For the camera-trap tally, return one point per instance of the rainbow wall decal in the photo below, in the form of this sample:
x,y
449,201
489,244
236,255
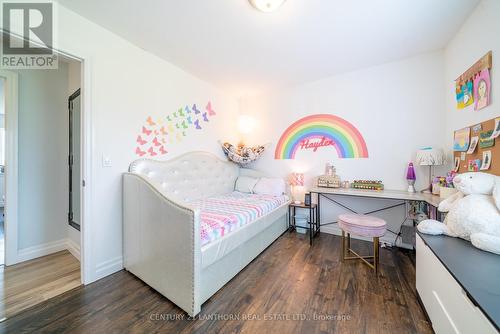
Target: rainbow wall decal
x,y
346,139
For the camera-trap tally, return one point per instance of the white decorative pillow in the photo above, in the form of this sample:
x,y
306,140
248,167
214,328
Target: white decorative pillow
x,y
245,184
270,186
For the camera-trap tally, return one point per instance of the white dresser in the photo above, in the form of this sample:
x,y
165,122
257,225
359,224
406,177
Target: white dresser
x,y
457,285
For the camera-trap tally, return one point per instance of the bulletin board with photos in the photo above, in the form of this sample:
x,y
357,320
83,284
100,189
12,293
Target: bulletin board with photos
x,y
476,148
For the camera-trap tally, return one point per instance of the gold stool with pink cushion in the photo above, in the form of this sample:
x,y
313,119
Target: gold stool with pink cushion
x,y
365,226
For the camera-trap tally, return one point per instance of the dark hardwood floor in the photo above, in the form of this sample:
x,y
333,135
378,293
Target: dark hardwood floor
x,y
289,288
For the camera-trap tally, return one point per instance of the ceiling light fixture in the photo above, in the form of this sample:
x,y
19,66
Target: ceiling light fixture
x,y
266,5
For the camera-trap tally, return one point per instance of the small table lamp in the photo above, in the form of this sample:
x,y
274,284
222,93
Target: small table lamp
x,y
297,183
430,157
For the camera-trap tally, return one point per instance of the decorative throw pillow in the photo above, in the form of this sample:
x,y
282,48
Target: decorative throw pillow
x,y
270,186
245,184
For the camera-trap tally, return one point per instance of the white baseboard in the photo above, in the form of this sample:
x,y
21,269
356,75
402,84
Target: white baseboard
x,y
73,248
30,253
109,267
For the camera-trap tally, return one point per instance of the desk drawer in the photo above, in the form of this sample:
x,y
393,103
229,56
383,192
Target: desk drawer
x,y
449,309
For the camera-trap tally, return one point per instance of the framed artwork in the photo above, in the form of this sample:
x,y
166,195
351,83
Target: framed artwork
x,y
461,140
482,89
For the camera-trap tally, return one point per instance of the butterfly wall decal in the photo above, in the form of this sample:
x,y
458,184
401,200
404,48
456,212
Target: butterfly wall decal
x,y
195,109
151,151
211,112
172,128
156,142
140,140
139,152
146,131
197,124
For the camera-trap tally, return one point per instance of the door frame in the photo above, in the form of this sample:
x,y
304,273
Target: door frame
x,y
11,166
87,268
72,97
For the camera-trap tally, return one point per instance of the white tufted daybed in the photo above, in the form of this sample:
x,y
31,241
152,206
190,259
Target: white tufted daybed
x,y
162,243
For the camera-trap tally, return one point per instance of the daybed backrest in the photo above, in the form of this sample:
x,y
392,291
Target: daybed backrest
x,y
190,176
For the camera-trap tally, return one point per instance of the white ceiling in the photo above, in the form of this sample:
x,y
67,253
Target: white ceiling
x,y
244,51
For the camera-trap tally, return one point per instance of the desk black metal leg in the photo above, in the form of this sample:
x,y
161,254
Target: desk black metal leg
x,y
318,208
289,219
310,226
294,222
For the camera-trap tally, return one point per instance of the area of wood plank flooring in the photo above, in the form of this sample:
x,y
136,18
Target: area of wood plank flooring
x,y
287,282
32,282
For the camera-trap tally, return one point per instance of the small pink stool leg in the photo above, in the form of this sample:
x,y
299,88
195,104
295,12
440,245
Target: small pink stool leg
x,y
366,226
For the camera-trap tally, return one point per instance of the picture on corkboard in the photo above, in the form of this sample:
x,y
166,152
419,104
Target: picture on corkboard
x,y
461,140
486,155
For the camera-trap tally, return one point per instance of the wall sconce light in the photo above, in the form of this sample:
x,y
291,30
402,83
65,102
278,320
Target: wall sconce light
x,y
246,124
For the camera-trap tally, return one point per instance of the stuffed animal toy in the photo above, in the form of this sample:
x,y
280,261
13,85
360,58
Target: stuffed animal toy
x,y
473,212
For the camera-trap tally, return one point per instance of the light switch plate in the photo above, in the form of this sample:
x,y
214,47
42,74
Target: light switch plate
x,y
106,161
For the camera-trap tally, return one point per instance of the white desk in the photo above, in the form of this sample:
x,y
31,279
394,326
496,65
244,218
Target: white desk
x,y
404,196
384,194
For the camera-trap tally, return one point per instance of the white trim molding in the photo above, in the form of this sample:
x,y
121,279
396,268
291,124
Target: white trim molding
x,y
86,197
11,166
73,248
109,267
30,253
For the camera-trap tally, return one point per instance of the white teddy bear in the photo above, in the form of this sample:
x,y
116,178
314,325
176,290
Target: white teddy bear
x,y
473,212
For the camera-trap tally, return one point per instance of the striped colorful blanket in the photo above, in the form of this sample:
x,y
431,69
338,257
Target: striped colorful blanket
x,y
224,214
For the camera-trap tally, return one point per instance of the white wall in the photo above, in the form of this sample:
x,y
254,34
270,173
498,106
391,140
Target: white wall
x,y
43,140
397,107
477,36
127,85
